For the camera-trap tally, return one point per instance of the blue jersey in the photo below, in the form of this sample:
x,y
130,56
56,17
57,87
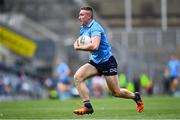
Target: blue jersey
x,y
103,53
61,70
174,66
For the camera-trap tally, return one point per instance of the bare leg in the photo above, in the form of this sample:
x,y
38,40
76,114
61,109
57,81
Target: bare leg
x,y
84,72
112,82
174,84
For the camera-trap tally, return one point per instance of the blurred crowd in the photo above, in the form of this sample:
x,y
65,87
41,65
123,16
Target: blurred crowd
x,y
19,86
61,85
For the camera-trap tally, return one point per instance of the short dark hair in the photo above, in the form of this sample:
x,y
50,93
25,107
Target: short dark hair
x,y
87,8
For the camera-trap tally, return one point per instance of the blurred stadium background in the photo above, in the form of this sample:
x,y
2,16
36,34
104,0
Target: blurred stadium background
x,y
34,33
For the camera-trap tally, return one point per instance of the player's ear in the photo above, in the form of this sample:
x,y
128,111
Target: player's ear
x,y
89,15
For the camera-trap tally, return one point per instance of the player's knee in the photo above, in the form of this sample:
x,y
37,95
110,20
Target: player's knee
x,y
78,78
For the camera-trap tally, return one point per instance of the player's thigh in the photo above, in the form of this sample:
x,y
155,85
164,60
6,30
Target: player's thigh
x,y
175,81
84,72
112,83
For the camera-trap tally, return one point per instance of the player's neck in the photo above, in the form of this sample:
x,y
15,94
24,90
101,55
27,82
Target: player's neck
x,y
88,23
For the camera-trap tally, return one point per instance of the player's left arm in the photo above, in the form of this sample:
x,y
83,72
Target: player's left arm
x,y
93,46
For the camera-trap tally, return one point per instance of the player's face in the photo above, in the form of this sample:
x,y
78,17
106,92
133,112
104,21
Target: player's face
x,y
84,17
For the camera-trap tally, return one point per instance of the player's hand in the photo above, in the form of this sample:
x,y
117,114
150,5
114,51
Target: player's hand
x,y
76,45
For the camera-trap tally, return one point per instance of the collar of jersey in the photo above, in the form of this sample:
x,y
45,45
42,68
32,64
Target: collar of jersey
x,y
90,24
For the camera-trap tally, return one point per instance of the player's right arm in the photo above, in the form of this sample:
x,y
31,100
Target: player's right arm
x,y
88,47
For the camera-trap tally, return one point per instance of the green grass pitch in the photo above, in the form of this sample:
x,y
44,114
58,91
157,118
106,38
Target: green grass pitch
x,y
159,107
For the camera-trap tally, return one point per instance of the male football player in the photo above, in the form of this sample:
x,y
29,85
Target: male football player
x,y
101,62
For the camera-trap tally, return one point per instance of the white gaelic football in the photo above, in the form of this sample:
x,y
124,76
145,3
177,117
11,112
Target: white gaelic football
x,y
83,40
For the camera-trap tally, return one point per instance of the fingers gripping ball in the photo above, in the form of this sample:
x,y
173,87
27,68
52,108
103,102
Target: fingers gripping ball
x,y
83,40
